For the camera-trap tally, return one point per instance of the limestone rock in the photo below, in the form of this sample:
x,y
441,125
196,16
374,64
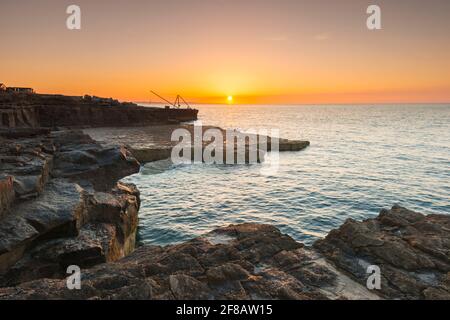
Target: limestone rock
x,y
144,155
44,208
6,193
227,272
412,251
100,228
58,212
237,267
184,287
88,161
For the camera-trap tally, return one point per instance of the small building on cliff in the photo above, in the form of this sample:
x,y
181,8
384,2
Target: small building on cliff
x,y
20,90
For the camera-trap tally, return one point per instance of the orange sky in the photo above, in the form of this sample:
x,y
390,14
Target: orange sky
x,y
259,51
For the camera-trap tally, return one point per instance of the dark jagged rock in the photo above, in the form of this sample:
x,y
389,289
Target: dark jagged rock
x,y
14,115
252,261
65,226
6,193
58,208
238,262
58,212
412,250
100,166
18,133
71,155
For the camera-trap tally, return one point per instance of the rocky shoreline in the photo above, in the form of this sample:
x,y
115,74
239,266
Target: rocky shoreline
x,y
61,205
252,261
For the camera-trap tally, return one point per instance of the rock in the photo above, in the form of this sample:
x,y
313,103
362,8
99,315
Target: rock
x,y
292,145
40,215
436,294
14,116
258,242
144,155
412,250
88,161
239,268
18,133
251,261
6,193
26,187
28,166
16,234
110,283
95,244
58,212
100,228
184,287
154,143
119,208
227,272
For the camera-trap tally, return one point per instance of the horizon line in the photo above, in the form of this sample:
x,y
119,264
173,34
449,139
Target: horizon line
x,y
301,103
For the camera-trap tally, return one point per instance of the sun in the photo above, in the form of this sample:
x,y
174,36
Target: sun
x,y
230,99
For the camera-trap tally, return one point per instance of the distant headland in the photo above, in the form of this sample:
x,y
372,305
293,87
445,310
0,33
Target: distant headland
x,y
24,108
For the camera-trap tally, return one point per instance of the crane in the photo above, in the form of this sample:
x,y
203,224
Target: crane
x,y
176,104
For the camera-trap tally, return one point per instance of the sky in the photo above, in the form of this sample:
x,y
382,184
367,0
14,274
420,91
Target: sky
x,y
258,51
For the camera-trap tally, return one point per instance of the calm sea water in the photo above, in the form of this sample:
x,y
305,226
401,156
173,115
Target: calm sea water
x,y
361,159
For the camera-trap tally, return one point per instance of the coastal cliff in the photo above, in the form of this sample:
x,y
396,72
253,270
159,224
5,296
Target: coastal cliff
x,y
19,110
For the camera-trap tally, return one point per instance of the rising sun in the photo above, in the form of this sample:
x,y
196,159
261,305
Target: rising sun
x,y
230,99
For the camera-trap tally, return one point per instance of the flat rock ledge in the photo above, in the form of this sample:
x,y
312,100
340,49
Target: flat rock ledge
x,y
252,261
154,143
61,204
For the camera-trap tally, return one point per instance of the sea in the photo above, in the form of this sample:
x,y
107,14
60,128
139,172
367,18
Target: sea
x,y
362,158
